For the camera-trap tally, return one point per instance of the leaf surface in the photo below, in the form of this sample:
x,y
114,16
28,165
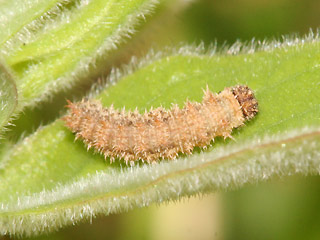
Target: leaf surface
x,y
55,48
51,180
8,95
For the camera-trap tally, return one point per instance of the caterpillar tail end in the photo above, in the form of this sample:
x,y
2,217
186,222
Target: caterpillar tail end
x,y
247,100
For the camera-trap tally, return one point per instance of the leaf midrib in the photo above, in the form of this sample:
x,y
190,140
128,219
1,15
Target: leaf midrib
x,y
159,180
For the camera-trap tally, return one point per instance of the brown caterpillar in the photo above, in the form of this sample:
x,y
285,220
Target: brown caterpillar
x,y
160,133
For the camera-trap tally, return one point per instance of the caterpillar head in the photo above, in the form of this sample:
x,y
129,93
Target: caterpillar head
x,y
247,100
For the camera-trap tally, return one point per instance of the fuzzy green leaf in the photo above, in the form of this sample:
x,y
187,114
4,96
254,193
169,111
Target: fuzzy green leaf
x,y
51,180
8,95
16,14
59,47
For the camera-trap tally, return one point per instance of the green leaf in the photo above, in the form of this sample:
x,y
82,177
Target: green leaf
x,y
8,95
51,180
16,14
59,48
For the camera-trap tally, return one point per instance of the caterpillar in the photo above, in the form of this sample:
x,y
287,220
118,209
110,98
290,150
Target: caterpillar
x,y
159,133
